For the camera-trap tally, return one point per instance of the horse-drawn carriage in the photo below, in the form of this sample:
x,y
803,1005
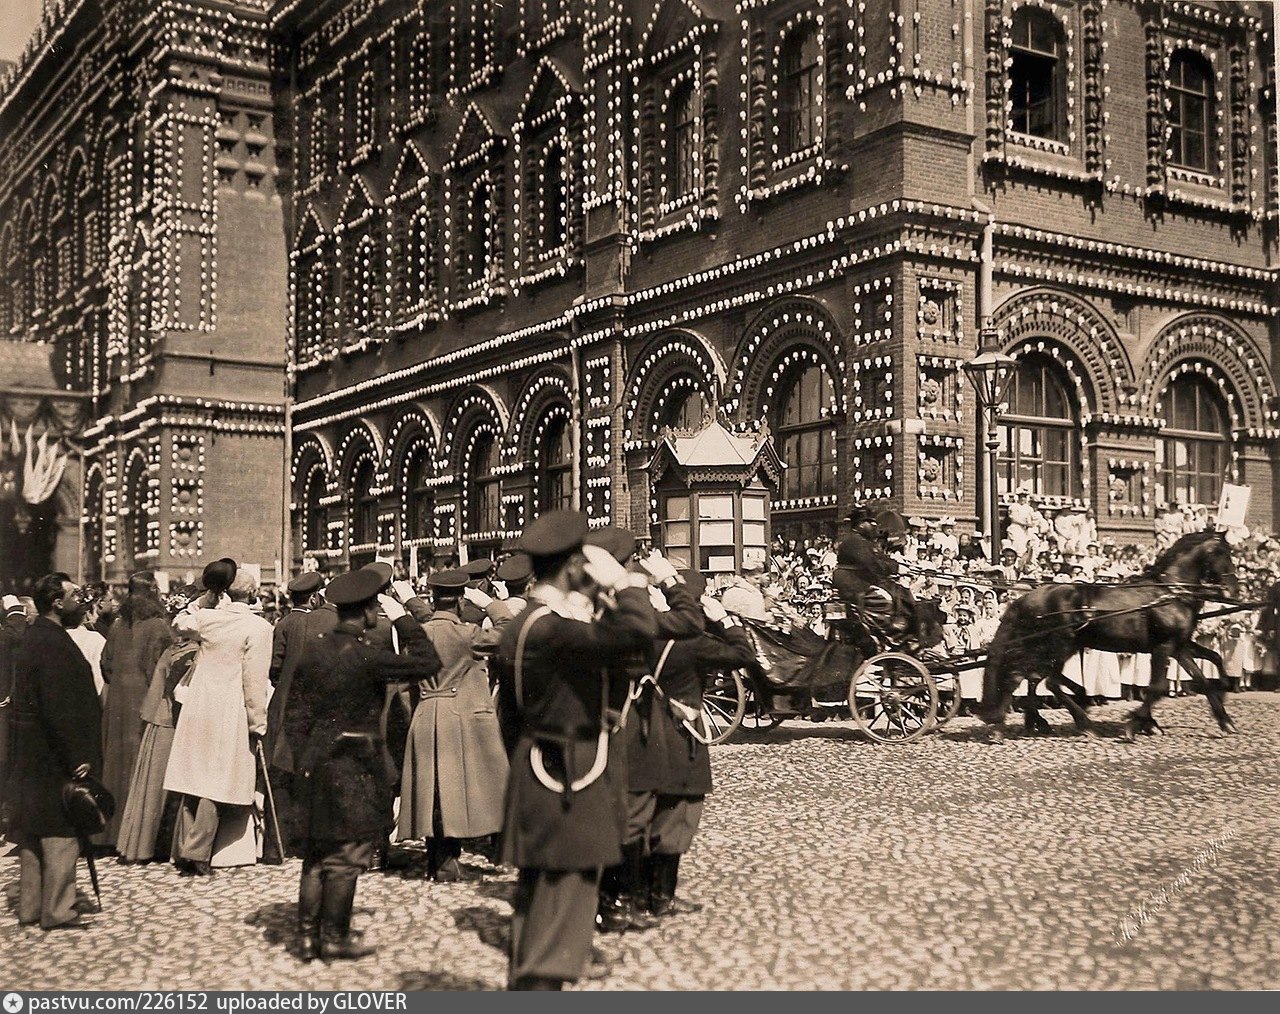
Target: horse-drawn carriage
x,y
898,693
894,696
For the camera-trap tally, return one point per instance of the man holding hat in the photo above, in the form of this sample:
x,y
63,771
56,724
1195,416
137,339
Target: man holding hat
x,y
287,641
455,765
348,789
556,662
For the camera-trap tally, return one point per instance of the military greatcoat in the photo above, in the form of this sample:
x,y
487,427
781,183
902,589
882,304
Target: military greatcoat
x,y
663,757
563,696
339,690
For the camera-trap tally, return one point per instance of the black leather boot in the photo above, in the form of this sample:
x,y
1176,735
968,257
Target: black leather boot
x,y
310,896
337,942
666,877
635,887
611,917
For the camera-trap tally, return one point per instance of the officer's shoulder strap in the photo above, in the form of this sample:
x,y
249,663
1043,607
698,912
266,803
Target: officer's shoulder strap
x,y
530,617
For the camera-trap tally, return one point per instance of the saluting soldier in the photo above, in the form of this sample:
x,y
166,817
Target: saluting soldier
x,y
515,572
671,759
563,823
455,766
623,888
348,789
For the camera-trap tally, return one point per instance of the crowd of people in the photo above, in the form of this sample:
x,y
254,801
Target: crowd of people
x,y
951,569
546,707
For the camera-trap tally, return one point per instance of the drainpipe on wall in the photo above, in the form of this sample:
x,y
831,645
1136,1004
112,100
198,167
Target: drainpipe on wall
x,y
575,425
986,257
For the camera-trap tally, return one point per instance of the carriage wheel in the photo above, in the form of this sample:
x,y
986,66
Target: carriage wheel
x,y
948,684
893,698
755,718
723,705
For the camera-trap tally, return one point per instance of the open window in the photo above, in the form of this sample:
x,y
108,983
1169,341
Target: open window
x,y
1038,75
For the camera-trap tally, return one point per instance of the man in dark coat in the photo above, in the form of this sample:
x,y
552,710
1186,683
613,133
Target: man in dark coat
x,y
57,732
863,577
623,887
341,687
12,627
669,759
1269,627
287,642
556,663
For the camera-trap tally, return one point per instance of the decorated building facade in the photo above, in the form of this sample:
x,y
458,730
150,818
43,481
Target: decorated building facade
x,y
526,238
143,266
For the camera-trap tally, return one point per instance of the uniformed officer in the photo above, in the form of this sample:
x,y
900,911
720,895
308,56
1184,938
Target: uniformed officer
x,y
515,572
672,760
348,790
478,573
455,766
288,639
563,823
623,888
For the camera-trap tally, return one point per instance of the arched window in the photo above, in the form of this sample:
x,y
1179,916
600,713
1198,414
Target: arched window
x,y
1194,450
364,518
684,140
800,64
807,433
1038,75
476,254
555,464
1038,434
683,410
484,504
314,522
1190,109
553,202
420,505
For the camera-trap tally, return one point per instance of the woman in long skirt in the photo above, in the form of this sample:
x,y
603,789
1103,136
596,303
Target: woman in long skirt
x,y
142,824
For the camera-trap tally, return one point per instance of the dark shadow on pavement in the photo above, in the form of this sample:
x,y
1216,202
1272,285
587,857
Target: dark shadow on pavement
x,y
443,981
493,928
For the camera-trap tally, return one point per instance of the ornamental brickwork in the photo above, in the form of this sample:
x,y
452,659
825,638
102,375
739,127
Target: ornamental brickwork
x,y
525,237
141,246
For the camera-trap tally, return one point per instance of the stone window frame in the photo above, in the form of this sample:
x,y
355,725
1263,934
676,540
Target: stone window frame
x,y
1081,158
405,206
765,172
485,70
548,30
559,124
487,165
656,76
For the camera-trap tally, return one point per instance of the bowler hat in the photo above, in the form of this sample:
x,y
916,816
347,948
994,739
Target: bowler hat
x,y
217,576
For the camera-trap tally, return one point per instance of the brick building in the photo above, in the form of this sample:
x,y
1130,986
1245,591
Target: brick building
x,y
527,236
142,256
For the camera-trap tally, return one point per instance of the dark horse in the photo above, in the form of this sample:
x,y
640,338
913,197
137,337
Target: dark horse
x,y
1155,612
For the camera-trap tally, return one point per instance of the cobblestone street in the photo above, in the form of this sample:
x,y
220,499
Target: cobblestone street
x,y
825,862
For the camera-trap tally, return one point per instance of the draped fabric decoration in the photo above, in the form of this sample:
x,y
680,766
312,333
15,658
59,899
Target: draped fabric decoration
x,y
30,471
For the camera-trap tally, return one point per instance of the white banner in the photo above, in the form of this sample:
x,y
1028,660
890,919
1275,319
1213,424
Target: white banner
x,y
1233,505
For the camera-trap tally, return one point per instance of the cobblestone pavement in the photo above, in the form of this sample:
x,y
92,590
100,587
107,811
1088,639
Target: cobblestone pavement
x,y
825,862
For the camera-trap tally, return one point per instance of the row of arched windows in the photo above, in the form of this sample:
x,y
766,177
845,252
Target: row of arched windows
x,y
1040,429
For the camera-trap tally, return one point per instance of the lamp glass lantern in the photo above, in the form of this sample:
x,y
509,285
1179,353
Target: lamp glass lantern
x,y
990,372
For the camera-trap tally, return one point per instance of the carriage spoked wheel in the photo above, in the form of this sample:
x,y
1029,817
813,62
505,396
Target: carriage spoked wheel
x,y
723,705
893,698
947,682
756,718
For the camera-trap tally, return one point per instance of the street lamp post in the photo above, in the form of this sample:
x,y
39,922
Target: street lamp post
x,y
989,372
